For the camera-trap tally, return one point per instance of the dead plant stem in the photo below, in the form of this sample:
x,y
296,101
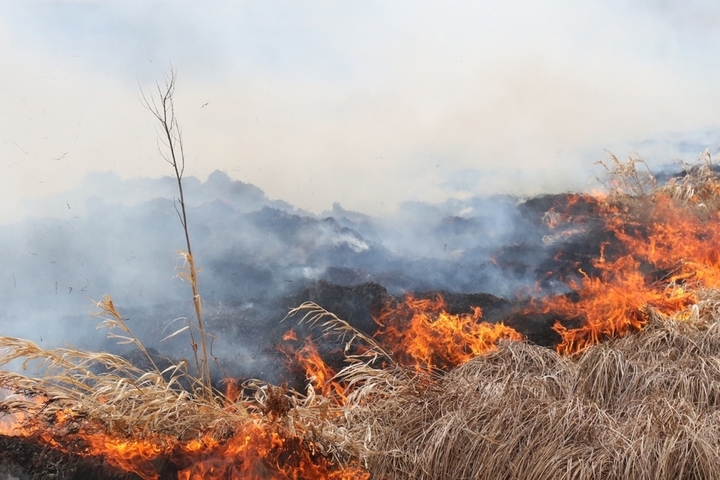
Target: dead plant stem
x,y
171,137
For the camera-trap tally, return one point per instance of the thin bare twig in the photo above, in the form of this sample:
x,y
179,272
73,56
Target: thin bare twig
x,y
163,109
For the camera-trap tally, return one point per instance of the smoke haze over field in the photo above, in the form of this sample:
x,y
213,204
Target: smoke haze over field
x,y
252,249
350,142
259,257
256,255
368,104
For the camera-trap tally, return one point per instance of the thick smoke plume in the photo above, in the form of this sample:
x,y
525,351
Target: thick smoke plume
x,y
258,257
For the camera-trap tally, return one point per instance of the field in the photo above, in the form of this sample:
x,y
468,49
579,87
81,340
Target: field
x,y
630,389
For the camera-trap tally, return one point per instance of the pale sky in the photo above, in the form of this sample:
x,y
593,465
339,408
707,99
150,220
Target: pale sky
x,y
365,103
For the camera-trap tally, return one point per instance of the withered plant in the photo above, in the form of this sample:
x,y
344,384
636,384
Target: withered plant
x,y
624,178
171,148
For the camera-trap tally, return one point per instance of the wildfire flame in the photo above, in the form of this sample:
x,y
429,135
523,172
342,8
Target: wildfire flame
x,y
257,449
317,371
662,249
422,333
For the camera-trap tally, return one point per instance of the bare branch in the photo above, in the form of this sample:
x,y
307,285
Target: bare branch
x,y
162,108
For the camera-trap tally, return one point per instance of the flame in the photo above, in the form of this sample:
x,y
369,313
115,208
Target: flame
x,y
320,375
19,409
679,240
232,391
317,371
662,250
423,334
258,449
15,424
136,455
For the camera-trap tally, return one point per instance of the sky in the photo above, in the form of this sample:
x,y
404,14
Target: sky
x,y
364,103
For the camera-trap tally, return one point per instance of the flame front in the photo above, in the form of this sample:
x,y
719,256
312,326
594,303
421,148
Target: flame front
x,y
659,250
423,334
257,449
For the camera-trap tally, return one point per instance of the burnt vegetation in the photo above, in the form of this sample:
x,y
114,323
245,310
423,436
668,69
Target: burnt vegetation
x,y
604,363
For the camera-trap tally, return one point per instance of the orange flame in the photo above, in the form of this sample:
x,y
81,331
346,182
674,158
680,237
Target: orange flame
x,y
232,391
257,452
666,249
423,334
258,449
318,373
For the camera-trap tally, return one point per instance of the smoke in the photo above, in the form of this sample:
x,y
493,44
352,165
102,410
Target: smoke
x,y
258,256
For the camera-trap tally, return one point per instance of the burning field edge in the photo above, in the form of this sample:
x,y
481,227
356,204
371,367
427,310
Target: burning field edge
x,y
631,389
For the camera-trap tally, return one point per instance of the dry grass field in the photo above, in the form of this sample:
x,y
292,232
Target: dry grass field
x,y
631,390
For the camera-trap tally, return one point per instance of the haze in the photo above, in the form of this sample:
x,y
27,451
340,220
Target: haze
x,y
364,103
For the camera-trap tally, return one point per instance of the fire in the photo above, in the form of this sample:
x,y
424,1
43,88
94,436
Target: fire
x,y
233,392
611,307
134,455
317,372
662,249
260,451
679,240
257,449
423,334
655,250
16,412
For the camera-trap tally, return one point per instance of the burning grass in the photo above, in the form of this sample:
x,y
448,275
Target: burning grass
x,y
436,394
660,245
426,336
604,404
149,424
641,406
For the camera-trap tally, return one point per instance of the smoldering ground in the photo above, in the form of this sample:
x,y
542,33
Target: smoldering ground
x,y
259,257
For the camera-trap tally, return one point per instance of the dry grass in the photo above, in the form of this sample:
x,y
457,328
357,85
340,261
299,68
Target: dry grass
x,y
126,400
699,185
624,178
643,406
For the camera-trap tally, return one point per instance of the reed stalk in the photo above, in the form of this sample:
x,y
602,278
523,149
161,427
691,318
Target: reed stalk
x,y
170,147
